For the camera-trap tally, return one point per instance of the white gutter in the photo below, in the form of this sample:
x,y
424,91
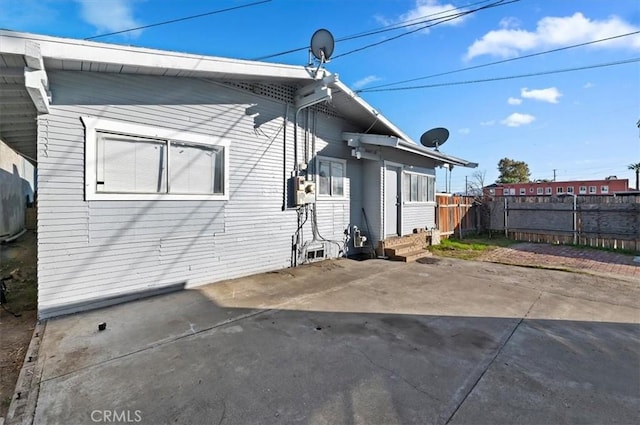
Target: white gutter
x,y
403,141
74,50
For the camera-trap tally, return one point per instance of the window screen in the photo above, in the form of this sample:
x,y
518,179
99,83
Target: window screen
x,y
195,169
130,165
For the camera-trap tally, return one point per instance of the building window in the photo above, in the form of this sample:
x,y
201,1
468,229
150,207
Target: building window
x,y
331,177
539,191
582,190
127,161
570,189
523,191
604,189
547,190
418,187
559,190
530,190
592,189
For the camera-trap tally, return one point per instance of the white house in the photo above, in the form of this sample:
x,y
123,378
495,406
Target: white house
x,y
159,170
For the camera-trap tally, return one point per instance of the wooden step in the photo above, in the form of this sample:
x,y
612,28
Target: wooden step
x,y
401,249
412,256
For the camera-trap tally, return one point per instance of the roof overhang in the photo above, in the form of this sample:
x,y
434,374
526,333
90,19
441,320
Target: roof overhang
x,y
25,59
357,140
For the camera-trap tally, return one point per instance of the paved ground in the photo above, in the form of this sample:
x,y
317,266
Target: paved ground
x,y
372,342
568,257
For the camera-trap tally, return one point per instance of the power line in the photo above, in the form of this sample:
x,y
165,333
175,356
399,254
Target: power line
x,y
500,62
440,21
157,24
510,77
392,27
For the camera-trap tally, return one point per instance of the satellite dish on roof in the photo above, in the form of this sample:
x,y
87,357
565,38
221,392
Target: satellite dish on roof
x,y
322,45
434,137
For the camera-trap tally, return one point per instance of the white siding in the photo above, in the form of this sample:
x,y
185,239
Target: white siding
x,y
417,216
94,251
372,197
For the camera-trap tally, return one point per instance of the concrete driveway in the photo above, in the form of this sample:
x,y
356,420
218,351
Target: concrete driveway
x,y
341,342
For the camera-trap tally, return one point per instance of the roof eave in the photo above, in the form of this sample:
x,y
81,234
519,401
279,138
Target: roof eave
x,y
139,58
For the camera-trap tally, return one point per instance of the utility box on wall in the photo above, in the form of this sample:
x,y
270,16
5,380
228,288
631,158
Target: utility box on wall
x,y
304,191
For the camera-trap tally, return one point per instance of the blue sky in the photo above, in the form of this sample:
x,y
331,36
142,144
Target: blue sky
x,y
580,123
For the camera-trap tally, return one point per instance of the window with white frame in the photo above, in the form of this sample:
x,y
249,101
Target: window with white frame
x,y
539,191
331,177
604,189
418,187
582,190
127,161
523,191
559,190
547,190
592,189
570,189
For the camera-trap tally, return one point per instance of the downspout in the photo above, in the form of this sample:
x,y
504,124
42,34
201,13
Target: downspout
x,y
284,158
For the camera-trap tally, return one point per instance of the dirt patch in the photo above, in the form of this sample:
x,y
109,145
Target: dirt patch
x,y
18,260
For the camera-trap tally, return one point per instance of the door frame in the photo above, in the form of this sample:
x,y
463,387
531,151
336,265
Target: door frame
x,y
399,167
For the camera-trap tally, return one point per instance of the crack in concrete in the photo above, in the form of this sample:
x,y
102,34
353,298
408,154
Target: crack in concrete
x,y
495,356
395,373
224,412
159,344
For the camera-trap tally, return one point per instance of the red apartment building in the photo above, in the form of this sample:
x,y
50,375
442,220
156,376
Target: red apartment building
x,y
574,187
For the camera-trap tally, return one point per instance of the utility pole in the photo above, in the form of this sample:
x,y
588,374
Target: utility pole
x,y
554,174
466,187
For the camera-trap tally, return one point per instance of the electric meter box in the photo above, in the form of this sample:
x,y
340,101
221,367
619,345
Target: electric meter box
x,y
302,191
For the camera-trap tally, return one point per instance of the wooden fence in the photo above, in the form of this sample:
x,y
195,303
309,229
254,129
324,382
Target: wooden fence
x,y
456,215
598,221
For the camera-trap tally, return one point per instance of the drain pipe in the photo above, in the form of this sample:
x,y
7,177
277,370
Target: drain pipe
x,y
284,158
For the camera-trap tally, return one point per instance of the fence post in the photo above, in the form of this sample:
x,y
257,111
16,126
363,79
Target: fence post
x,y
506,218
460,219
575,219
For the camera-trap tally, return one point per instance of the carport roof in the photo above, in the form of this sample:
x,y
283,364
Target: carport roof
x,y
23,53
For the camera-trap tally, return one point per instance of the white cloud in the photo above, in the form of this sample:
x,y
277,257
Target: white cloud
x,y
424,10
464,131
588,85
514,101
110,16
510,22
364,81
554,32
516,120
550,95
488,123
432,9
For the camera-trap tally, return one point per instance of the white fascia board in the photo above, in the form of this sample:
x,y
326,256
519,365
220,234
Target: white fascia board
x,y
361,103
68,49
37,84
357,139
404,142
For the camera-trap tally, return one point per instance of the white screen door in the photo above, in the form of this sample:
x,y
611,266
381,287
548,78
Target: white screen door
x,y
391,201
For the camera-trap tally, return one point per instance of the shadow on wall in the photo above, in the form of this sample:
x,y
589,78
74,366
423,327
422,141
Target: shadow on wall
x,y
15,193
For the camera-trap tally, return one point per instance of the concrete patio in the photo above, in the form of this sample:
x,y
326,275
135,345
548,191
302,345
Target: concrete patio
x,y
372,342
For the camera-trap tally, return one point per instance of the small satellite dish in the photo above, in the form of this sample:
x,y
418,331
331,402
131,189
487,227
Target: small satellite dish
x,y
434,137
322,45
